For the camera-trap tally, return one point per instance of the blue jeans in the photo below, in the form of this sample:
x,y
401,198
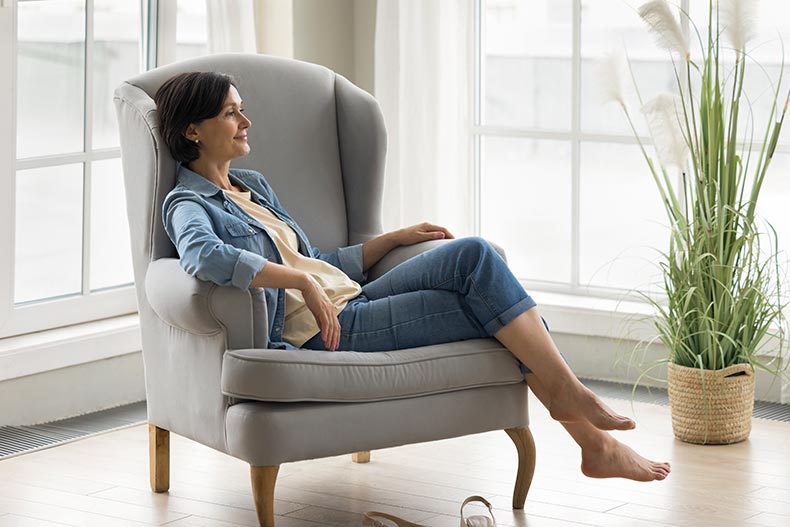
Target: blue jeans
x,y
460,290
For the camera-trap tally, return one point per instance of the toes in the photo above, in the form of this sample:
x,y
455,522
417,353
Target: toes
x,y
625,424
660,470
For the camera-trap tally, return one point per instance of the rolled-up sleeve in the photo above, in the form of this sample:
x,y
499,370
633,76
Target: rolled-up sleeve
x,y
248,265
202,253
347,259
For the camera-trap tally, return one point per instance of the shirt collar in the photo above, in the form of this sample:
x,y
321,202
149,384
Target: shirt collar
x,y
204,187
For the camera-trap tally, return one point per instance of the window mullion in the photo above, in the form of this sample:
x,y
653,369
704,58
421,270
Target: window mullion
x,y
166,26
477,173
8,32
88,147
576,74
150,21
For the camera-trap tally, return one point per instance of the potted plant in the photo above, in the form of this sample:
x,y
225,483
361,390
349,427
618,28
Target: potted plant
x,y
721,270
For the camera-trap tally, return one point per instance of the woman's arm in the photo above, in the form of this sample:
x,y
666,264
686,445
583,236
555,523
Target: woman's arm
x,y
375,249
277,276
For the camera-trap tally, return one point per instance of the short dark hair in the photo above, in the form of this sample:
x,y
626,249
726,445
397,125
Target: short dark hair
x,y
185,99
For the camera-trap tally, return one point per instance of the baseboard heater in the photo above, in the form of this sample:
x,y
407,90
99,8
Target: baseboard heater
x,y
15,440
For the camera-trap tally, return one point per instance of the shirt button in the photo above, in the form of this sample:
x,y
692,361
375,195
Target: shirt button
x,y
251,231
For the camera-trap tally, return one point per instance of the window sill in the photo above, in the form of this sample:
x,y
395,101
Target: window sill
x,y
596,317
68,346
623,320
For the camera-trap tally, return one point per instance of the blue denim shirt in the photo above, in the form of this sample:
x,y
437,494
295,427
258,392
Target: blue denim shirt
x,y
218,242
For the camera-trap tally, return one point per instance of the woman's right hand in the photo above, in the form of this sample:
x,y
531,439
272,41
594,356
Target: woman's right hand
x,y
324,311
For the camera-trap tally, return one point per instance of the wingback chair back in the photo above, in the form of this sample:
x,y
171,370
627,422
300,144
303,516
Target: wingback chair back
x,y
319,141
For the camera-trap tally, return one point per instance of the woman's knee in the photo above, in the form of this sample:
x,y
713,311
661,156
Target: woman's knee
x,y
475,249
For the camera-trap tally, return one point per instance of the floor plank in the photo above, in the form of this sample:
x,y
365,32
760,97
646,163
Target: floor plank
x,y
12,520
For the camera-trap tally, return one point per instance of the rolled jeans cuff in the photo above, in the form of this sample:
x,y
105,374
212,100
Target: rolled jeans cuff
x,y
510,314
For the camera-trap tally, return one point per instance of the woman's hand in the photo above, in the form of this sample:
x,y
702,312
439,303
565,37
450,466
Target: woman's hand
x,y
422,232
375,249
324,312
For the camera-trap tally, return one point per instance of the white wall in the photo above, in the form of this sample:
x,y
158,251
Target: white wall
x,y
338,34
324,33
77,390
364,43
608,359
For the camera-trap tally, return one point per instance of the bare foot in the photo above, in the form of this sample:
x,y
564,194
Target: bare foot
x,y
578,403
615,460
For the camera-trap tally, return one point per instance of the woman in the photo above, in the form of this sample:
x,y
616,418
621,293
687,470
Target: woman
x,y
229,228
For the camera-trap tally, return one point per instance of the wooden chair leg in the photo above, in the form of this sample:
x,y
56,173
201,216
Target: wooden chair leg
x,y
159,458
525,445
263,481
360,457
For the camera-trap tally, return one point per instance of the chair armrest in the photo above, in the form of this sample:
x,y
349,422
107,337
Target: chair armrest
x,y
401,254
204,308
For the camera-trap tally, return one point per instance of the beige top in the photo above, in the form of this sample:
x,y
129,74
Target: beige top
x,y
300,325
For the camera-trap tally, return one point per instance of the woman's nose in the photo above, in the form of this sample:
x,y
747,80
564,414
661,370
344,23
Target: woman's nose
x,y
245,123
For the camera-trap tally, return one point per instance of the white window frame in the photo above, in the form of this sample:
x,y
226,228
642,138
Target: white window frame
x,y
63,332
88,305
576,136
7,157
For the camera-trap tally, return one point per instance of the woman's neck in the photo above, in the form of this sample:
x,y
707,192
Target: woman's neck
x,y
216,172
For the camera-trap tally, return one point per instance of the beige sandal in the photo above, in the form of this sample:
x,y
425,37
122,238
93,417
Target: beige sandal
x,y
477,521
380,519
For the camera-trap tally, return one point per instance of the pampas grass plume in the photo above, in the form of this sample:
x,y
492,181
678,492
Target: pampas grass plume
x,y
739,18
612,72
666,27
664,115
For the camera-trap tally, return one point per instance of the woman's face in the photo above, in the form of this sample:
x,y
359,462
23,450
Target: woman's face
x,y
223,137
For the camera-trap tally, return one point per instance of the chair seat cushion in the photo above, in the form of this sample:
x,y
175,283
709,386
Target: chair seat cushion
x,y
341,376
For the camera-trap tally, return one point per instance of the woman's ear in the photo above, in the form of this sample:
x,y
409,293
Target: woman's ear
x,y
191,133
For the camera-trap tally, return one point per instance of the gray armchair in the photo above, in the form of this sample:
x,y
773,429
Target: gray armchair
x,y
320,141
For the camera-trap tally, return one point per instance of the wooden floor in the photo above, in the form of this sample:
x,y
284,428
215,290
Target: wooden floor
x,y
103,482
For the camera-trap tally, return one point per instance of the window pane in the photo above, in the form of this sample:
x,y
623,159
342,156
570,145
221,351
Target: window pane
x,y
622,221
615,25
772,205
48,253
526,205
111,257
772,32
191,29
116,57
527,65
51,77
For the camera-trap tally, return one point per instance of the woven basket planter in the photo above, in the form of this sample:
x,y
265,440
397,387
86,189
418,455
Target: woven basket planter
x,y
711,407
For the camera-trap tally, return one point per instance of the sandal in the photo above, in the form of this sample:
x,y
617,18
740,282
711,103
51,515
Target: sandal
x,y
380,519
477,521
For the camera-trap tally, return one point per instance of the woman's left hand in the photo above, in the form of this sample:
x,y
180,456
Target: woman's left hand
x,y
421,233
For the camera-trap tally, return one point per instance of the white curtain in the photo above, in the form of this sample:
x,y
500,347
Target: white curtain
x,y
231,26
423,80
